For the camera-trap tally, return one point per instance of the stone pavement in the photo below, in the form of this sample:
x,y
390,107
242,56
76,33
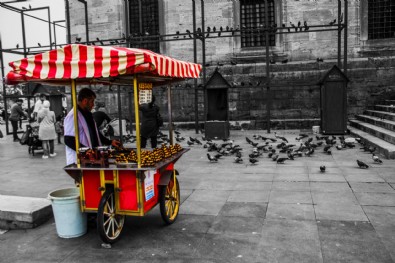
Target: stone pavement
x,y
230,212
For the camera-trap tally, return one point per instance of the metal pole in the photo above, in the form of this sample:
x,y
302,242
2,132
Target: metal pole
x,y
120,113
204,60
170,114
75,111
269,99
3,81
23,33
137,120
54,32
195,61
86,22
68,22
49,29
345,36
127,20
339,36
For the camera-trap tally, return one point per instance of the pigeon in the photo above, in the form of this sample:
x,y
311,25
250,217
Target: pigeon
x,y
238,160
280,137
332,22
376,159
327,147
339,147
177,132
275,157
211,158
322,168
282,159
190,143
372,149
198,142
309,152
301,136
248,140
253,160
362,165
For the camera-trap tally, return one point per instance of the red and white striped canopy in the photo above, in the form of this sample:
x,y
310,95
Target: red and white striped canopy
x,y
81,62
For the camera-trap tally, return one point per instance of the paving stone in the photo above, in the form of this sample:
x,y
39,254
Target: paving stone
x,y
329,187
290,177
372,187
281,169
244,209
334,198
326,177
379,199
291,186
367,178
382,218
345,212
289,241
233,248
351,242
290,197
209,195
253,186
249,196
201,208
231,225
290,211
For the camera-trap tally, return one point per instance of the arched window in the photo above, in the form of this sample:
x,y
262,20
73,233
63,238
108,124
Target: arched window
x,y
381,19
253,17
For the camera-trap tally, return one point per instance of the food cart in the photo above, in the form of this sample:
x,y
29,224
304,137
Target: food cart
x,y
115,183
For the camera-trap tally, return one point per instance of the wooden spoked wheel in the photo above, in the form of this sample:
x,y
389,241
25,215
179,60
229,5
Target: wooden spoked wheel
x,y
109,223
170,201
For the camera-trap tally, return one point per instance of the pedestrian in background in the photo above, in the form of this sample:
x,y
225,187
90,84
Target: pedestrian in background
x,y
149,123
59,127
38,105
46,131
16,114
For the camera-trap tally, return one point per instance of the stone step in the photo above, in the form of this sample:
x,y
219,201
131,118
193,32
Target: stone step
x,y
387,108
382,133
384,148
381,114
18,212
387,124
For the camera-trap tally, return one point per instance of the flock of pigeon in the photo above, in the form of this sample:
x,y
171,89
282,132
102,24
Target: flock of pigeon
x,y
278,148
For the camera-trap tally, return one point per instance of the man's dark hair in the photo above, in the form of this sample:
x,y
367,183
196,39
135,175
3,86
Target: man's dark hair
x,y
86,93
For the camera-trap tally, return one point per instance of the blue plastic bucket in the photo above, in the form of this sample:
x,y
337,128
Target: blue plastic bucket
x,y
69,220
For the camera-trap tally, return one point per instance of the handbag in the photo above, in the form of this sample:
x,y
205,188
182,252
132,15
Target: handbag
x,y
25,137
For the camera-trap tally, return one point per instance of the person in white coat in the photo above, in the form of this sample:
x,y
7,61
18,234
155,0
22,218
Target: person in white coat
x,y
46,131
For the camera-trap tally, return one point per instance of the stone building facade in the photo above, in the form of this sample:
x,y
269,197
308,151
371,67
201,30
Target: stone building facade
x,y
294,69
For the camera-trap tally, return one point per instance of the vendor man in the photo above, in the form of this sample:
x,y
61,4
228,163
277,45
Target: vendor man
x,y
89,135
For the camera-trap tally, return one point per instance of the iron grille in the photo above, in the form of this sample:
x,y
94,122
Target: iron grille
x,y
144,24
252,19
381,19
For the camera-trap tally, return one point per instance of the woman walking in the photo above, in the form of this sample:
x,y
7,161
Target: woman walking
x,y
46,131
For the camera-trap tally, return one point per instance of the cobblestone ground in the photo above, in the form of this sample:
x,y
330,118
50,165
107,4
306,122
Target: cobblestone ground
x,y
230,212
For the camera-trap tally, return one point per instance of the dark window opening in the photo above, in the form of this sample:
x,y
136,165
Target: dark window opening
x,y
381,19
252,19
144,24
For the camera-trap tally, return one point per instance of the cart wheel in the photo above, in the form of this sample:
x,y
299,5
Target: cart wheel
x,y
170,201
109,224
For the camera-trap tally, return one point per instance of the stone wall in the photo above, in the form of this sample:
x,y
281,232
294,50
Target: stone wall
x,y
294,92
